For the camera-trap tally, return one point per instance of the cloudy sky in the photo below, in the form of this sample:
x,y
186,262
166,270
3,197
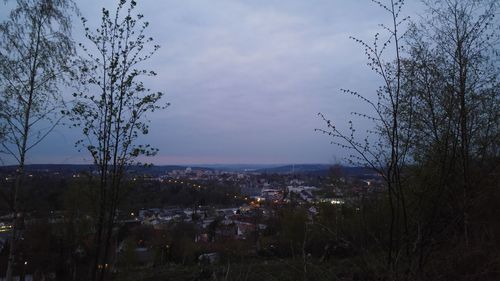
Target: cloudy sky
x,y
246,78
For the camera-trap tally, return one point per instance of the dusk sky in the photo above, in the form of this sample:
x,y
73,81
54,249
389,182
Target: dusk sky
x,y
246,78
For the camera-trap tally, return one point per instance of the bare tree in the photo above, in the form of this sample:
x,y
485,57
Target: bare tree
x,y
111,112
383,149
452,76
34,50
457,48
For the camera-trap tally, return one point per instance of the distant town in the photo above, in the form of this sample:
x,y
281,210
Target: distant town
x,y
207,207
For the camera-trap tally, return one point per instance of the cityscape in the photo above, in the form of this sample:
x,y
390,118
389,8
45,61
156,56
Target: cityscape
x,y
196,216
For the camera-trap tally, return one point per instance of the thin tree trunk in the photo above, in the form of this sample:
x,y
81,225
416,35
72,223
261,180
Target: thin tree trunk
x,y
22,157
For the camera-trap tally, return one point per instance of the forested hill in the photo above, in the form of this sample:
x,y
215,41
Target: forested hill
x,y
79,168
155,170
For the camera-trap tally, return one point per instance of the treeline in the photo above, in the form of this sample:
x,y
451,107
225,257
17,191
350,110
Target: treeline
x,y
45,193
435,143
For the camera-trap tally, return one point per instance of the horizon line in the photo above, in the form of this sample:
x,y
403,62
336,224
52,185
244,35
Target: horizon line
x,y
190,164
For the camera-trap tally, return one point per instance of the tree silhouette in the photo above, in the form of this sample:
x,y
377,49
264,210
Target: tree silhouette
x,y
111,112
35,49
384,148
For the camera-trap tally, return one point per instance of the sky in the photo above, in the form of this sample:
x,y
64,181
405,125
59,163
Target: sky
x,y
246,79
